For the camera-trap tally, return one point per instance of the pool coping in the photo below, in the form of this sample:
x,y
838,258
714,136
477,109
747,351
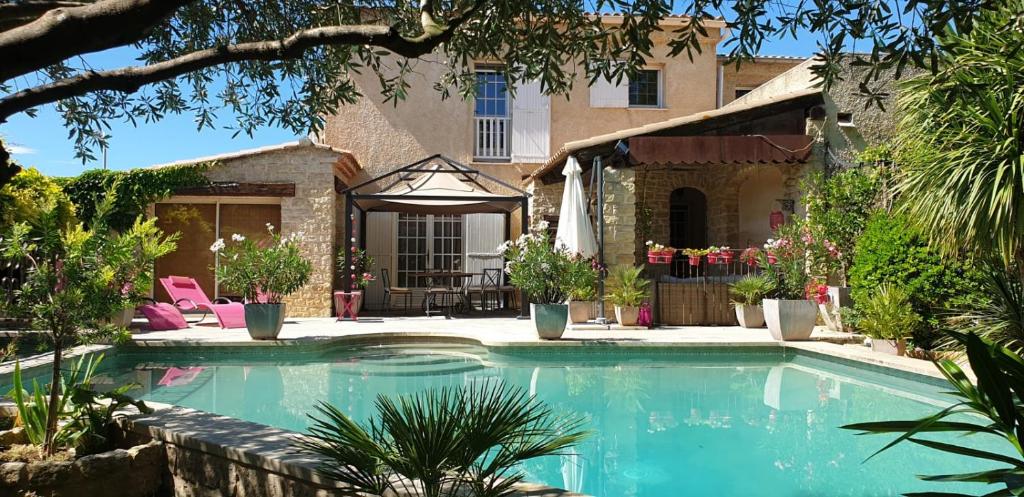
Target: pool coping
x,y
256,445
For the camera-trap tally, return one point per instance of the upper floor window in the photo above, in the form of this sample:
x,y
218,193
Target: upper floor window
x,y
740,92
492,134
645,89
491,93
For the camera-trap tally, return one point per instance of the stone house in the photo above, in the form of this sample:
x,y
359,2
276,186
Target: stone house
x,y
293,186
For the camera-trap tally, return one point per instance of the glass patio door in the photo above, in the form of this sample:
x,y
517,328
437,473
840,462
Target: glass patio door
x,y
428,243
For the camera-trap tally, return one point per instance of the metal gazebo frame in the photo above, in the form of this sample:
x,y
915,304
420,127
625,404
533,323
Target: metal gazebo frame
x,y
386,199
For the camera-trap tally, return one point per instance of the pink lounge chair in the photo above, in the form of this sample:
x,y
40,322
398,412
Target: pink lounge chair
x,y
188,296
162,316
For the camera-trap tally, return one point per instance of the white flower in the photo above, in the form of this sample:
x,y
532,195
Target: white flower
x,y
543,225
649,243
270,227
217,245
238,238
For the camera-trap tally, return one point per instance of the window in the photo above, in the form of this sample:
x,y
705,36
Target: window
x,y
742,91
492,124
425,243
645,89
491,94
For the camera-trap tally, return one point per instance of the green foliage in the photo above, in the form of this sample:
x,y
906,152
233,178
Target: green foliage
x,y
892,251
751,290
960,142
77,279
626,286
135,190
582,279
362,273
992,406
464,441
887,314
8,168
28,195
262,272
85,416
838,208
546,274
875,154
997,314
791,273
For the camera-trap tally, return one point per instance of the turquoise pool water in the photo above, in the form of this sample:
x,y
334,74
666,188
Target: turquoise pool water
x,y
666,423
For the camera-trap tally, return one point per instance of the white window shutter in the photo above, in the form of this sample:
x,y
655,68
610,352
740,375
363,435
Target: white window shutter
x,y
609,94
531,124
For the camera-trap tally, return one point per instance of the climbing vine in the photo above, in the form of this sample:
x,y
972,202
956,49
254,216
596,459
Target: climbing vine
x,y
135,190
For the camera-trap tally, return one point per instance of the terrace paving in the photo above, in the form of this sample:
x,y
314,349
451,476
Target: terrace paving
x,y
509,331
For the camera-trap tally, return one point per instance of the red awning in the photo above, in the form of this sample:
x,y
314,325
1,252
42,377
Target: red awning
x,y
762,149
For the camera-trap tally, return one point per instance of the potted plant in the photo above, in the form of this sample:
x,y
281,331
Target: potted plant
x,y
788,312
712,252
888,317
626,291
658,253
543,273
582,276
726,255
747,294
362,275
263,273
694,255
750,256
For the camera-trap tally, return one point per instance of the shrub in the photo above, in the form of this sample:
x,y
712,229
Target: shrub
x,y
262,272
750,290
887,314
790,274
838,208
543,272
28,195
891,251
998,314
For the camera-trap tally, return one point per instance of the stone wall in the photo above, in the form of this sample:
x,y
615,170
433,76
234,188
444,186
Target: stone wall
x,y
311,211
134,472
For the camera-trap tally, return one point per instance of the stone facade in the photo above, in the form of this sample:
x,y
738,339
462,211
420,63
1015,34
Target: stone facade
x,y
311,211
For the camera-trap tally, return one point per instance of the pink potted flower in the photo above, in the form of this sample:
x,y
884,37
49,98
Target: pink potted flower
x,y
726,255
712,255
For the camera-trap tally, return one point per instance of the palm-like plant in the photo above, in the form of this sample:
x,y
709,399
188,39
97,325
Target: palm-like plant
x,y
999,315
961,139
750,290
466,441
627,286
997,398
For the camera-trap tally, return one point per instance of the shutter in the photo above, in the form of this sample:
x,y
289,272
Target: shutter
x,y
609,94
380,230
531,124
484,232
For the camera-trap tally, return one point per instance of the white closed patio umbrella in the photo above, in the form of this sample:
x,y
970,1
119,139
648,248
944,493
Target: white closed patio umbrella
x,y
574,230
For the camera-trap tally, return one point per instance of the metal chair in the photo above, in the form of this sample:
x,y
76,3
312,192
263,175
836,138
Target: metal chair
x,y
490,282
389,291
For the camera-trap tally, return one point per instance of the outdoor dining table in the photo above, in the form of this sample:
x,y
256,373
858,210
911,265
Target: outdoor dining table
x,y
430,275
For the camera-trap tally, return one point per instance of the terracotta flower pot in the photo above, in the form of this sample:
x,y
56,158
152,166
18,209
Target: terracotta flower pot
x,y
627,315
894,347
790,319
580,311
750,316
549,319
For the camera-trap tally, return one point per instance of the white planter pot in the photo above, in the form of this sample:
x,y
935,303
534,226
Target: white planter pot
x,y
627,315
580,311
790,319
750,316
894,347
549,319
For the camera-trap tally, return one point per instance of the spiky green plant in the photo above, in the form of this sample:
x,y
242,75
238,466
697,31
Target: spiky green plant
x,y
750,290
960,143
627,286
465,441
994,407
887,314
999,315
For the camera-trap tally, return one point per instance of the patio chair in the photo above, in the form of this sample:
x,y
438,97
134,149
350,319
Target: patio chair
x,y
162,316
391,291
511,291
489,283
188,296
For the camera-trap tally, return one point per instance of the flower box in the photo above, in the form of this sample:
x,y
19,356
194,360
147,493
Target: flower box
x,y
713,258
694,260
727,257
663,257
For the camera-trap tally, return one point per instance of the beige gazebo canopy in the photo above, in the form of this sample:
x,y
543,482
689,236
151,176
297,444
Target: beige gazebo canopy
x,y
438,185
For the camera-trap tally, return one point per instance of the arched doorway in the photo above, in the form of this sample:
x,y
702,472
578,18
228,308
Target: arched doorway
x,y
688,218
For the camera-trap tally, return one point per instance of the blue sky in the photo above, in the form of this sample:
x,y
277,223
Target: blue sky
x,y
43,141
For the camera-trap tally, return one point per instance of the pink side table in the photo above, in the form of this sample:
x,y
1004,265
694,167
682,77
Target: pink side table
x,y
347,305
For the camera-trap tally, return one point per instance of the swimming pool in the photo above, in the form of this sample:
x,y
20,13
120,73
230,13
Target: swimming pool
x,y
666,421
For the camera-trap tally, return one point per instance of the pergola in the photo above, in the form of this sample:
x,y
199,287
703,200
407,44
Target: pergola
x,y
433,185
